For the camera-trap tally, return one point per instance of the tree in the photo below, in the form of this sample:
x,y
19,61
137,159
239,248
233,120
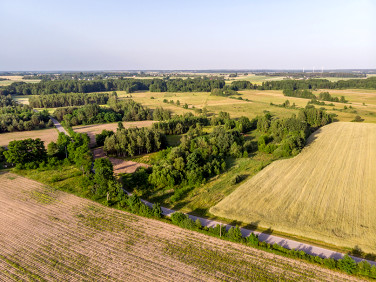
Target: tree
x,y
104,173
83,158
26,151
52,149
120,126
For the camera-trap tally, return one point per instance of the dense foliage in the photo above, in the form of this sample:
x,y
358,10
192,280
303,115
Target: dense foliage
x,y
64,100
325,96
22,117
286,137
299,93
26,153
89,114
196,159
6,101
134,141
180,124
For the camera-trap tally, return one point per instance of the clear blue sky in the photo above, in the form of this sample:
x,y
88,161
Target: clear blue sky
x,y
121,35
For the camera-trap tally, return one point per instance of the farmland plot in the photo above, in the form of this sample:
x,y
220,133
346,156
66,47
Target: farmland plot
x,y
47,135
326,193
47,234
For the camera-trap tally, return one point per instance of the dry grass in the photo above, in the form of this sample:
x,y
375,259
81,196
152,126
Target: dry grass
x,y
326,193
94,129
15,78
50,235
46,135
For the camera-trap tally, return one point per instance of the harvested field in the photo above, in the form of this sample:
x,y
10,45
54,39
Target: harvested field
x,y
326,193
46,135
93,129
47,234
120,166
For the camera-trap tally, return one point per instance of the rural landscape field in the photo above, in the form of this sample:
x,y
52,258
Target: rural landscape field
x,y
188,141
325,193
58,236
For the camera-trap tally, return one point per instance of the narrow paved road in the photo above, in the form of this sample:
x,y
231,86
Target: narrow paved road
x,y
58,126
268,238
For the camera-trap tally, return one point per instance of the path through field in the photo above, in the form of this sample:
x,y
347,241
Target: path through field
x,y
51,235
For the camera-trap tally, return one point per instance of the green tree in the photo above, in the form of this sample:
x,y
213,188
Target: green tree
x,y
26,151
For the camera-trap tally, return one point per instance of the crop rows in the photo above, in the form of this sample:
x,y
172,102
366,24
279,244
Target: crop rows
x,y
72,238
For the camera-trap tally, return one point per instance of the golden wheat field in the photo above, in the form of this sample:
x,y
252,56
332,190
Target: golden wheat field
x,y
49,235
326,193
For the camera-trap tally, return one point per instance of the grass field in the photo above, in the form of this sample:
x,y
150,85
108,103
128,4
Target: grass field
x,y
15,78
46,234
259,102
46,135
326,193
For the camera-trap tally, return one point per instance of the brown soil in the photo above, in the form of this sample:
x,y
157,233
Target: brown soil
x,y
120,166
51,235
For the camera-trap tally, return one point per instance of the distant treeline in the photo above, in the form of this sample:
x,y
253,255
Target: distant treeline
x,y
65,100
21,118
129,85
313,74
293,84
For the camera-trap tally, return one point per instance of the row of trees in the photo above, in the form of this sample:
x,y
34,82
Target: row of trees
x,y
223,92
287,137
65,100
325,96
132,141
129,85
180,124
291,84
306,94
127,110
21,118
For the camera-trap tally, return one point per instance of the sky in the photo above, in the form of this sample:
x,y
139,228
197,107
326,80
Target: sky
x,y
187,35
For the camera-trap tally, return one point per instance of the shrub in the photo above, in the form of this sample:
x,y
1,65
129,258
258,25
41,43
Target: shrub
x,y
347,264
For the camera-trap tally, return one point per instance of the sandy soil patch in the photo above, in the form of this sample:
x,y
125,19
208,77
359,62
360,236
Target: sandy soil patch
x,y
120,166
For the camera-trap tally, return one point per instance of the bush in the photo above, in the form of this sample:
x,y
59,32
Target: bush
x,y
347,264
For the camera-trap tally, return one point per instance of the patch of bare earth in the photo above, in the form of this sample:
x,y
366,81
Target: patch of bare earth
x,y
74,239
120,166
